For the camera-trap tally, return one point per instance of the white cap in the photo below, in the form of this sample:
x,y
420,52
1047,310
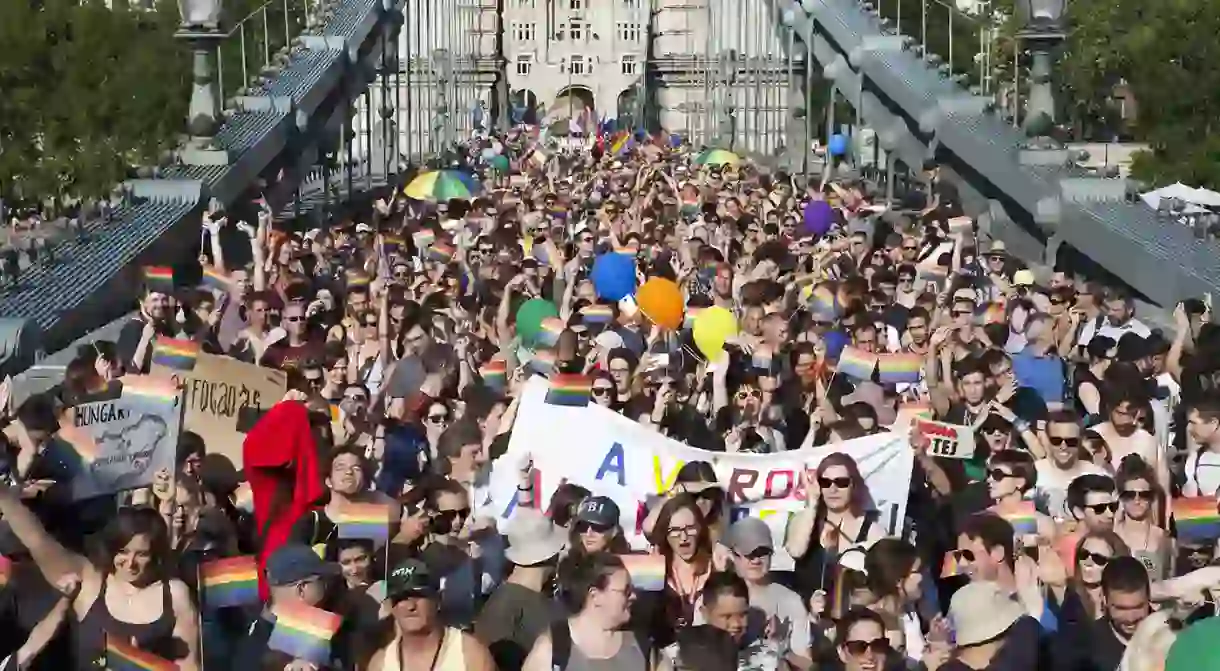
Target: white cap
x,y
363,228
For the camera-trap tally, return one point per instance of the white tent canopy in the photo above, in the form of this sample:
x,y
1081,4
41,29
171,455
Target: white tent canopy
x,y
1195,199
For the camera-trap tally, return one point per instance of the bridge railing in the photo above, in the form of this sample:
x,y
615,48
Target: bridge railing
x,y
262,40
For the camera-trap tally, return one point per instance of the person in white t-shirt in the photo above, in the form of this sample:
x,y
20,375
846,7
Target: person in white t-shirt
x,y
1203,463
1061,465
1119,311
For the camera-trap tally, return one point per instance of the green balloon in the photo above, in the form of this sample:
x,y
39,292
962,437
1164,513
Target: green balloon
x,y
530,316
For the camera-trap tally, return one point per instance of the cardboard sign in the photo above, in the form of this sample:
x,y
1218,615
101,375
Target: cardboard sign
x,y
945,440
216,390
120,443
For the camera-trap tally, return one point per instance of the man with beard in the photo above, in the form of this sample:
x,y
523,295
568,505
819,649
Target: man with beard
x,y
135,344
1098,645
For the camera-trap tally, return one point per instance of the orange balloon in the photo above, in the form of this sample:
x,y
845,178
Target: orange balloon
x,y
661,301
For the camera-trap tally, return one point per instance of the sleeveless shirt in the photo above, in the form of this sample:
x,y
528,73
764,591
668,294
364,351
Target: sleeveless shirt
x,y
90,634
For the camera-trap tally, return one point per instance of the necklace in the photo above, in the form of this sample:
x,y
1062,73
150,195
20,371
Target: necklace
x,y
402,663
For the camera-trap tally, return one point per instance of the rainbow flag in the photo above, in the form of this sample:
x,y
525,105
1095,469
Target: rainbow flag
x,y
1196,518
622,145
597,313
692,314
823,304
364,520
1023,518
391,242
647,571
570,390
899,368
229,582
215,280
151,389
994,314
174,353
441,253
552,328
950,567
122,656
494,374
423,239
856,363
159,279
542,363
304,632
356,279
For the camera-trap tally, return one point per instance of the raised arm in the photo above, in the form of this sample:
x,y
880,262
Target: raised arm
x,y
54,560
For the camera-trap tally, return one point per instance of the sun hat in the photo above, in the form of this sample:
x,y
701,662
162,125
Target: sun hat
x,y
982,611
533,538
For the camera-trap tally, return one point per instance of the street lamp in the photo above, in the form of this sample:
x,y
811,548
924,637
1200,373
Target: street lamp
x,y
200,29
1042,31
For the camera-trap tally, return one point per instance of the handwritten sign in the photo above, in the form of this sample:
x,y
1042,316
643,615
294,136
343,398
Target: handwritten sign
x,y
216,390
945,440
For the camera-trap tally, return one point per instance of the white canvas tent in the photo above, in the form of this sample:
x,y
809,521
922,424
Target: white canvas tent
x,y
1196,200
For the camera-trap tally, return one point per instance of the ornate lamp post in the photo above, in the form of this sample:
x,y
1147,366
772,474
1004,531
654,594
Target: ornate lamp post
x,y
200,29
442,66
1042,32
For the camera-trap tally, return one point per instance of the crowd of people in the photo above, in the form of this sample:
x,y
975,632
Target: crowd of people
x,y
1059,543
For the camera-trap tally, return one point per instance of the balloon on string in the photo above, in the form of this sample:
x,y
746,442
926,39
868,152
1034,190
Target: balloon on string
x,y
530,316
661,301
819,217
837,144
613,276
712,328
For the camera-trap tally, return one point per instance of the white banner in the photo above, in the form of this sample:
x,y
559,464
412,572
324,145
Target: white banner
x,y
951,441
616,457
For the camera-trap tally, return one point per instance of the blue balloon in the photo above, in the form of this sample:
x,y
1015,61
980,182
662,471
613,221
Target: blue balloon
x,y
675,140
838,144
614,276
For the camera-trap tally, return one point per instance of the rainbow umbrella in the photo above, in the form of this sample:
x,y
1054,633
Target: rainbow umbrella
x,y
439,185
717,157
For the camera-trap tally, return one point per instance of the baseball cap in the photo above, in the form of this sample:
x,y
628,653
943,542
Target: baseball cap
x,y
411,578
747,535
599,511
363,228
1023,278
295,562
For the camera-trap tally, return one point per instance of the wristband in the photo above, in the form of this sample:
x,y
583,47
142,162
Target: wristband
x,y
525,489
1021,425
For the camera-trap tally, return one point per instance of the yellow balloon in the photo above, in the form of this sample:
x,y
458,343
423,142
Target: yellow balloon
x,y
712,328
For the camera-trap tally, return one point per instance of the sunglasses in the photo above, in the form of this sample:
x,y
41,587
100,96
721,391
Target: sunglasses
x,y
1059,440
878,646
601,391
314,381
909,249
994,430
1134,494
963,313
906,278
586,527
294,320
998,474
759,553
1099,559
743,395
438,419
837,483
452,515
1101,508
586,240
964,555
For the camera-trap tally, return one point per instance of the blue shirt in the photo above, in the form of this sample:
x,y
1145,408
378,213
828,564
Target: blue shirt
x,y
1043,374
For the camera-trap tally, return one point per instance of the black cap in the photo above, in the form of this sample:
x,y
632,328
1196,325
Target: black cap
x,y
1131,347
599,511
411,578
295,562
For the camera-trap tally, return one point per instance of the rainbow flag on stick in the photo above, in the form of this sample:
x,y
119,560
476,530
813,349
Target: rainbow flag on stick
x,y
174,353
495,374
229,582
304,632
856,363
1023,518
441,253
122,656
154,390
423,239
355,279
647,571
215,280
899,368
570,390
159,279
552,328
597,314
364,520
1196,518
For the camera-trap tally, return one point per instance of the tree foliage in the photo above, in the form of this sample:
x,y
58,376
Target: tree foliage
x,y
87,93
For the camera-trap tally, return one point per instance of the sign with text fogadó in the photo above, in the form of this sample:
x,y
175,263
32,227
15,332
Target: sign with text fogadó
x,y
215,390
950,441
629,462
120,443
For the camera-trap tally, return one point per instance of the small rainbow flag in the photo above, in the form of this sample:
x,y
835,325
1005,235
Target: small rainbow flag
x,y
364,520
174,353
1023,518
423,239
597,313
552,328
215,280
542,363
570,390
647,571
441,252
899,368
122,656
1196,518
823,304
356,279
692,313
159,279
391,242
304,632
856,363
229,582
494,374
150,389
622,144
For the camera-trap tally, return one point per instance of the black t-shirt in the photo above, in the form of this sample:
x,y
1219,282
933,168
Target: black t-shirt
x,y
129,340
512,620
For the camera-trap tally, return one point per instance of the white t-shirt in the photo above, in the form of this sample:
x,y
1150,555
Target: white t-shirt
x,y
1202,473
1050,494
1108,330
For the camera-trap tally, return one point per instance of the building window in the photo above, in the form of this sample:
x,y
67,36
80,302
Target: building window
x,y
631,4
576,29
630,66
577,65
523,31
527,4
576,5
525,63
628,32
